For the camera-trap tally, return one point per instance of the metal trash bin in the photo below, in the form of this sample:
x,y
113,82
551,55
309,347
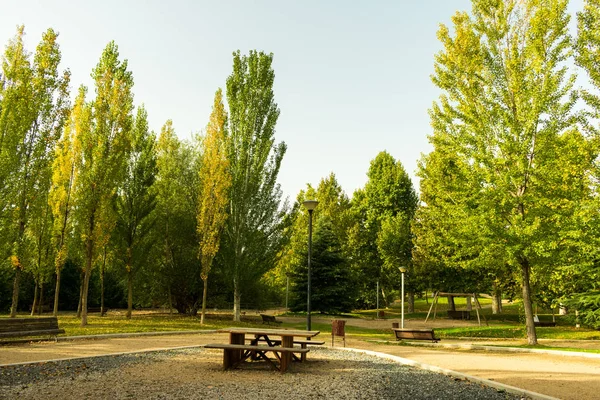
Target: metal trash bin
x,y
338,329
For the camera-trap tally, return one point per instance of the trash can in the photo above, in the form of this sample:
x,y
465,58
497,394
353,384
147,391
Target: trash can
x,y
380,314
338,329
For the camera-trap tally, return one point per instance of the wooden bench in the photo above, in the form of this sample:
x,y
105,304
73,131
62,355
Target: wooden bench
x,y
235,354
459,314
269,319
22,327
415,334
97,309
544,323
303,345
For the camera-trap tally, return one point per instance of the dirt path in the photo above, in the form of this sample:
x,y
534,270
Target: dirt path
x,y
557,376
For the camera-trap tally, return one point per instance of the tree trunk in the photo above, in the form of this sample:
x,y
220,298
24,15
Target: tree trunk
x,y
41,302
411,301
35,299
89,252
170,300
469,305
129,293
204,300
81,276
236,299
102,269
385,302
56,292
496,299
102,312
527,305
15,296
426,297
451,305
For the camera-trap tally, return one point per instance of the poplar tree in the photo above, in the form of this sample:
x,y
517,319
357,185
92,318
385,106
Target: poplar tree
x,y
64,174
136,202
214,185
253,230
104,151
35,102
504,137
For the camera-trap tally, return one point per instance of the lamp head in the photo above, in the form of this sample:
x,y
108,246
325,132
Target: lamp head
x,y
310,204
402,269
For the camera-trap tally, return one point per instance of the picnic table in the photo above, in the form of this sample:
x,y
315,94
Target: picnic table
x,y
280,342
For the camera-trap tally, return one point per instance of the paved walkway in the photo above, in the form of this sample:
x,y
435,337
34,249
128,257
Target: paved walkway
x,y
553,375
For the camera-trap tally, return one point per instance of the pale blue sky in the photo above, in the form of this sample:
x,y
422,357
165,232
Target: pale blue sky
x,y
351,77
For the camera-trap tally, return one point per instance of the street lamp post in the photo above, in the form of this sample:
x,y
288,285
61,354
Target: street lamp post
x,y
402,270
310,206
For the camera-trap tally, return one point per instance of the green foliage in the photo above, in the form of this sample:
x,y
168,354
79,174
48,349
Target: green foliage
x,y
253,233
104,138
389,199
508,173
332,284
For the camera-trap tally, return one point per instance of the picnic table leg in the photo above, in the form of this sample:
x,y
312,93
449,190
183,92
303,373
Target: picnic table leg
x,y
232,357
303,355
286,357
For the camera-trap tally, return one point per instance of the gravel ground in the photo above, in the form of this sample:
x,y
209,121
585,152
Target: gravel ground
x,y
198,374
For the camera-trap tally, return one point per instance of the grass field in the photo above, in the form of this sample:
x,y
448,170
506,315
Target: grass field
x,y
508,325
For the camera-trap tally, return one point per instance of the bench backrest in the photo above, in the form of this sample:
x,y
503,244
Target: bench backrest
x,y
414,334
28,324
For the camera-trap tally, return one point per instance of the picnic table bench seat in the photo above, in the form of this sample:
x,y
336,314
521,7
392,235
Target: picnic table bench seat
x,y
269,319
415,334
23,327
232,356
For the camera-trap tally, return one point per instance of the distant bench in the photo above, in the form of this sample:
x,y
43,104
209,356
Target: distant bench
x,y
459,314
22,327
232,356
544,323
415,334
269,319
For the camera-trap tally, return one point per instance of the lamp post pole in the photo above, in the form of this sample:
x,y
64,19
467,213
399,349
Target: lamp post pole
x,y
402,270
310,206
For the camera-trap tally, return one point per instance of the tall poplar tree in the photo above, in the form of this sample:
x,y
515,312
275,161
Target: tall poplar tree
x,y
504,136
35,103
136,202
104,151
253,229
214,186
64,173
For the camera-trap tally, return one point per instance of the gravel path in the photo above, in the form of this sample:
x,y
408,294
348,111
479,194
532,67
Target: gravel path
x,y
198,374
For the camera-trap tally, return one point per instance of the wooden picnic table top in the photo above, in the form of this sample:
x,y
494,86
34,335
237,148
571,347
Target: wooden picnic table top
x,y
267,331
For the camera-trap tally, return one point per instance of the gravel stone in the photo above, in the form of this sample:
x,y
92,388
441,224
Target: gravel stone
x,y
198,374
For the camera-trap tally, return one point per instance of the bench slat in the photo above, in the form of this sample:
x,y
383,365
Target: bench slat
x,y
278,341
415,334
32,333
255,348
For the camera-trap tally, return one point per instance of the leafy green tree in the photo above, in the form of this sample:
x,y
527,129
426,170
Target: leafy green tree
x,y
387,193
503,134
253,232
136,202
64,173
176,186
104,153
332,284
215,182
35,102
